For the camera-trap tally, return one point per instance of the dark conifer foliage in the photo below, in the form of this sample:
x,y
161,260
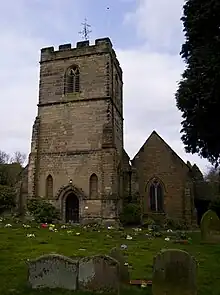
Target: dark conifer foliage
x,y
198,94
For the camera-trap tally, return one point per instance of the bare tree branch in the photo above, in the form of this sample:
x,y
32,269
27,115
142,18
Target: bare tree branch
x,y
18,158
4,157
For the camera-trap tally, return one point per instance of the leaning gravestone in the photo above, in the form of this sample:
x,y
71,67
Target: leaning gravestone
x,y
123,266
53,271
210,227
174,273
99,274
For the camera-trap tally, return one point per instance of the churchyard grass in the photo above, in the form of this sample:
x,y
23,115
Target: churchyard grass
x,y
16,248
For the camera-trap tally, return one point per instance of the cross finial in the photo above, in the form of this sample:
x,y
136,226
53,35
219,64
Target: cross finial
x,y
85,31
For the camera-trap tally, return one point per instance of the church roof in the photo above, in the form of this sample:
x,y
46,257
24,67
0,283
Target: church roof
x,y
154,133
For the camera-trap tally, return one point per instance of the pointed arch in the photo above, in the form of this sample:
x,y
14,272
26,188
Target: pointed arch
x,y
49,187
156,190
70,198
72,208
71,82
93,186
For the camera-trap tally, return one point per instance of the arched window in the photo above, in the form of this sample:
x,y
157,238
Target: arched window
x,y
93,186
72,80
156,196
49,187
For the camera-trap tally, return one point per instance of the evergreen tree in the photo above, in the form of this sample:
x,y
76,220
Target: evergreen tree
x,y
198,94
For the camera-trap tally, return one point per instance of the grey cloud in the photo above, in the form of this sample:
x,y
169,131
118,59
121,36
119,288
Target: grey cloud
x,y
158,23
19,71
150,77
151,74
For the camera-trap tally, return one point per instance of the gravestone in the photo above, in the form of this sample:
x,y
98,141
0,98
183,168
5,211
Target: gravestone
x,y
123,266
174,272
53,271
99,273
210,227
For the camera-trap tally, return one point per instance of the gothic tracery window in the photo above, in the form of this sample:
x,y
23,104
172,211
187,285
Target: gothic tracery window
x,y
93,186
72,80
156,196
49,187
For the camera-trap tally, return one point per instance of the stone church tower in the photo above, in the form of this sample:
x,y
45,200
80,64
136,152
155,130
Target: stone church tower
x,y
77,160
77,139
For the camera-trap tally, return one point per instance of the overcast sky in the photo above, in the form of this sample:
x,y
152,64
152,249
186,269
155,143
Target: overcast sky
x,y
147,36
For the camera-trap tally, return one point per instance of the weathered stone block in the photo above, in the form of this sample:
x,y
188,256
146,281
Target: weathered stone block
x,y
92,208
99,273
53,271
174,272
123,265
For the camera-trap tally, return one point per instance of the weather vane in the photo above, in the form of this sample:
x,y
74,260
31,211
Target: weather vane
x,y
85,31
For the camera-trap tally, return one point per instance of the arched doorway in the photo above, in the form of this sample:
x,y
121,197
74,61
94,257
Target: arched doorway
x,y
72,208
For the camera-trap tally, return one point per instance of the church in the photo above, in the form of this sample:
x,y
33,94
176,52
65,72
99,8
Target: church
x,y
77,160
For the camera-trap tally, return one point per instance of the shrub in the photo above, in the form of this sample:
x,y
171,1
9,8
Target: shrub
x,y
175,224
7,198
131,214
170,223
42,211
148,221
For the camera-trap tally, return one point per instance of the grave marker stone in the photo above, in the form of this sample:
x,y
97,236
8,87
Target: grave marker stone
x,y
123,266
210,227
53,271
174,272
99,273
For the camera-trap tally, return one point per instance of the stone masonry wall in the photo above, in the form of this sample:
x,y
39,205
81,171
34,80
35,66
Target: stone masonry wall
x,y
156,159
78,134
67,140
33,160
71,127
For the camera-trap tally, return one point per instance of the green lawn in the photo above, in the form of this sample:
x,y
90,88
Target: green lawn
x,y
16,247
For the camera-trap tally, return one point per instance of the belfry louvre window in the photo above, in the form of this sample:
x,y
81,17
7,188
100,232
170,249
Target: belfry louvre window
x,y
72,80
